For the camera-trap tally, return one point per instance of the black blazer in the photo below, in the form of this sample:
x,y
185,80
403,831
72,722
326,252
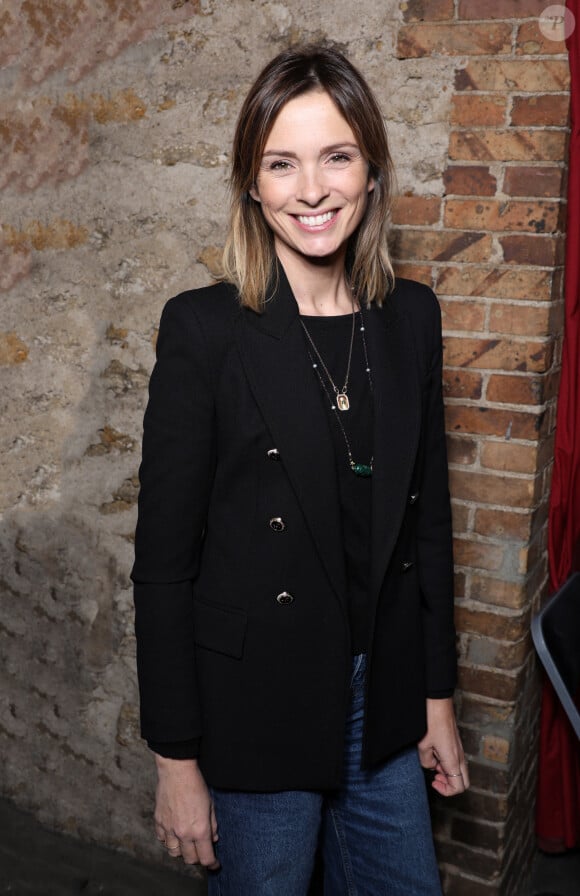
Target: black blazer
x,y
263,678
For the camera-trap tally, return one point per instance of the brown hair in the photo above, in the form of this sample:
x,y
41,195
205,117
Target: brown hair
x,y
248,259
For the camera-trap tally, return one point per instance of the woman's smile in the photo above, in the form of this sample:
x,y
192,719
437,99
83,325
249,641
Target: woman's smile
x,y
317,222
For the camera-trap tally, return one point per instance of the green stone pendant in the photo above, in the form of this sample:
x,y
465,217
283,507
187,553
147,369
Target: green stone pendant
x,y
361,469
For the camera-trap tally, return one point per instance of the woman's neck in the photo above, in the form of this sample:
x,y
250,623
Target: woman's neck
x,y
320,289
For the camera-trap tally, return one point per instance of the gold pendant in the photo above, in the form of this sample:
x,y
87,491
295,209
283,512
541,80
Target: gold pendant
x,y
342,401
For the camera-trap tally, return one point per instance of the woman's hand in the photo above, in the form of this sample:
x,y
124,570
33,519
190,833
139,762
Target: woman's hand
x,y
441,750
184,816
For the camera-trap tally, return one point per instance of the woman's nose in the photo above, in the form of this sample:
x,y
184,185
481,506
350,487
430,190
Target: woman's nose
x,y
311,186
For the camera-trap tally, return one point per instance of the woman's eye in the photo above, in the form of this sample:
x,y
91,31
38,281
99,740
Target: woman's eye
x,y
279,165
339,157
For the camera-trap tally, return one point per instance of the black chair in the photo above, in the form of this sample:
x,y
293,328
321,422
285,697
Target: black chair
x,y
556,636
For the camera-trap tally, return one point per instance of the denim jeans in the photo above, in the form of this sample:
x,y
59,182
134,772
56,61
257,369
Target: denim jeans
x,y
375,833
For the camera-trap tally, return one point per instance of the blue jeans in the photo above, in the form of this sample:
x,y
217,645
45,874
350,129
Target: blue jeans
x,y
375,832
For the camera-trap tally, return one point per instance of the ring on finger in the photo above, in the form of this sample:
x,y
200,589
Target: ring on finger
x,y
177,846
456,775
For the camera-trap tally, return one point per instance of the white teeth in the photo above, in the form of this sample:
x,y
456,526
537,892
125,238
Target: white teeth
x,y
315,220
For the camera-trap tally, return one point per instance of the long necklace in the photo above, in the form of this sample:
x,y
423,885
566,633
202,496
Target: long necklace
x,y
342,401
364,470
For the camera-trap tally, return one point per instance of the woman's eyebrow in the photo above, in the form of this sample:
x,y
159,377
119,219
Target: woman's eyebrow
x,y
332,148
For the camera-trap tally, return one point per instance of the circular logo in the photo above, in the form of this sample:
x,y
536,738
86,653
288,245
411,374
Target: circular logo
x,y
557,22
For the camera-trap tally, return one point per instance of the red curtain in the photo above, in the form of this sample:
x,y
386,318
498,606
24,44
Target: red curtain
x,y
558,804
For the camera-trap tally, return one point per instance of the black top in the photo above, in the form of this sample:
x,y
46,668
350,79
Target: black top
x,y
331,336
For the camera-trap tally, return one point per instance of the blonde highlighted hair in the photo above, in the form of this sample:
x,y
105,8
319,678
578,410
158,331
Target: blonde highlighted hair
x,y
248,259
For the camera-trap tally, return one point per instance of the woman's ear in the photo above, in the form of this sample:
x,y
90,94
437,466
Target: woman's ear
x,y
371,185
253,191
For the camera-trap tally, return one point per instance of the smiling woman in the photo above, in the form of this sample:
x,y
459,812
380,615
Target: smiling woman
x,y
293,572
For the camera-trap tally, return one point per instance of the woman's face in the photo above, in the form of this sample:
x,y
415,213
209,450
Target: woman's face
x,y
313,182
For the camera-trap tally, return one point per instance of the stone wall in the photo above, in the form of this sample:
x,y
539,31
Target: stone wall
x,y
114,145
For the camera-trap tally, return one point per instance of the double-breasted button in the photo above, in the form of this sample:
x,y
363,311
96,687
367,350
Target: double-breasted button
x,y
277,524
273,454
406,564
413,498
284,597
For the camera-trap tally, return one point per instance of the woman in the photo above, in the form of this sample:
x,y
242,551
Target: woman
x,y
293,575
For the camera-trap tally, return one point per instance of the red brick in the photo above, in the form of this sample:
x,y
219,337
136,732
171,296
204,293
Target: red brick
x,y
544,251
497,591
502,524
462,315
416,209
501,626
461,450
490,488
432,10
462,384
500,9
494,282
494,422
503,354
520,319
469,180
558,278
477,110
534,180
509,456
479,555
459,584
487,683
536,216
476,833
547,110
440,245
514,75
421,272
479,804
508,146
454,39
531,41
512,389
480,712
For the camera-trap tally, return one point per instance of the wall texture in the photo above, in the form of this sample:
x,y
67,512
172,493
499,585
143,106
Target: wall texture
x,y
114,142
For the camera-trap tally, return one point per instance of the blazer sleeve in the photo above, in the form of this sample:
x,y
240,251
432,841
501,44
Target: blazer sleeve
x,y
176,474
434,528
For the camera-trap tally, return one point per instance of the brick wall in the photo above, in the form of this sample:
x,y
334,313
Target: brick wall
x,y
491,246
115,128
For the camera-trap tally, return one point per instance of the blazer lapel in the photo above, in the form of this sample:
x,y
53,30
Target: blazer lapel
x,y
280,375
397,422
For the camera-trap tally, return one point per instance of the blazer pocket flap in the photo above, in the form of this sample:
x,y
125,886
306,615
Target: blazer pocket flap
x,y
219,628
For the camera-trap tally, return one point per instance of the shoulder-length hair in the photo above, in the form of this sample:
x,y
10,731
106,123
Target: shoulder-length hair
x,y
248,259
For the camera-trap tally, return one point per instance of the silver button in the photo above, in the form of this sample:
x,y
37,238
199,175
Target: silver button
x,y
284,597
413,498
405,565
273,454
277,524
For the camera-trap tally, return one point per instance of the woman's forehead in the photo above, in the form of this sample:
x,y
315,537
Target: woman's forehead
x,y
309,119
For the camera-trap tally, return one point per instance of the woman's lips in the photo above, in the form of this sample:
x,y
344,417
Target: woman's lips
x,y
317,222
